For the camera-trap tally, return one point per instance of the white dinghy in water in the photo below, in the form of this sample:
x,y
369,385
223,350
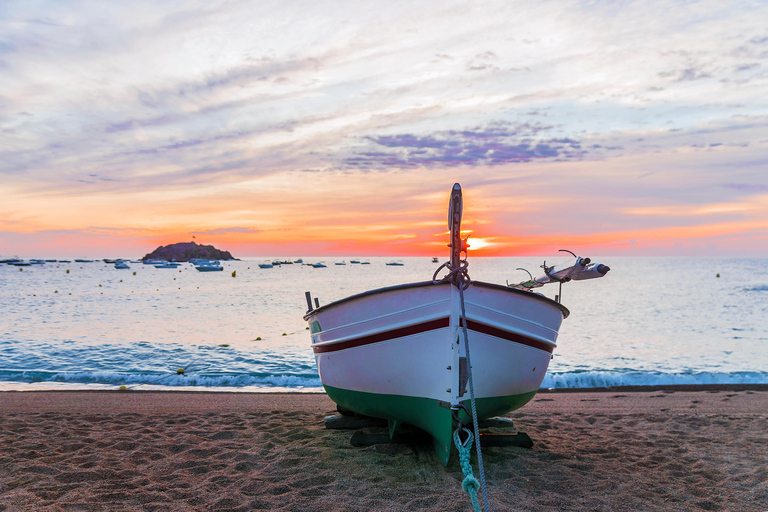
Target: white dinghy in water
x,y
399,353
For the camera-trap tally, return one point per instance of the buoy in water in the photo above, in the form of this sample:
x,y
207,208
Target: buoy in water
x,y
67,271
718,275
224,345
234,273
122,388
180,371
285,334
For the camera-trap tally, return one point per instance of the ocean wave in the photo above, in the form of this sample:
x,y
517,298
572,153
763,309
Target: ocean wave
x,y
596,379
201,380
215,380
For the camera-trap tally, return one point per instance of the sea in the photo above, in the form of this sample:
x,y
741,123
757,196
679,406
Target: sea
x,y
649,321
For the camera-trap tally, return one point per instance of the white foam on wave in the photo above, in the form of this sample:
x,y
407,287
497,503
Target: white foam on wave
x,y
596,379
209,381
230,380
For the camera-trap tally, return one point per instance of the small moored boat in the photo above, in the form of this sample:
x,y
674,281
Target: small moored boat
x,y
209,266
168,264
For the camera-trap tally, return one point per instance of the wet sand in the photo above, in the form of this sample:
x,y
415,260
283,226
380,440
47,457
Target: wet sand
x,y
654,449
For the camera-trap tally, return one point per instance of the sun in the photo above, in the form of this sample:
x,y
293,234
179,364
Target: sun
x,y
479,243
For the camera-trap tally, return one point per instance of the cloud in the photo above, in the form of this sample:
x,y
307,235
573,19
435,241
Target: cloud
x,y
222,231
685,75
747,187
500,143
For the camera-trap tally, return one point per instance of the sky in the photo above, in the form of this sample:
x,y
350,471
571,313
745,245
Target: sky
x,y
324,128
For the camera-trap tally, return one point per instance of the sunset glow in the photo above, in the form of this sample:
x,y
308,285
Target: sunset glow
x,y
299,129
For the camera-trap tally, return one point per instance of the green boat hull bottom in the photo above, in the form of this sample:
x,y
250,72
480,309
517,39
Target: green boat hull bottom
x,y
425,413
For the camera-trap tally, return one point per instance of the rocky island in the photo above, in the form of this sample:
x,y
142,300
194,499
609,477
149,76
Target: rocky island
x,y
184,251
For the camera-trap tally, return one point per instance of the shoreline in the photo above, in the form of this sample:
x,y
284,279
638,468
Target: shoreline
x,y
289,391
690,449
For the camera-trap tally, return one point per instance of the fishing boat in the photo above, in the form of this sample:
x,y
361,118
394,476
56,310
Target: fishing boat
x,y
209,266
121,265
398,263
167,264
266,264
319,264
403,352
435,260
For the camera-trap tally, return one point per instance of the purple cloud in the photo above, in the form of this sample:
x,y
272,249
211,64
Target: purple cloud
x,y
495,145
747,187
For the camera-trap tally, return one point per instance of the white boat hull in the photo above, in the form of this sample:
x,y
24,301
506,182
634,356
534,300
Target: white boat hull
x,y
397,351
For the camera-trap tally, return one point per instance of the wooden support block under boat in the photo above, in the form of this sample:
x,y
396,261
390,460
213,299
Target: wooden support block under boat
x,y
360,438
497,423
343,422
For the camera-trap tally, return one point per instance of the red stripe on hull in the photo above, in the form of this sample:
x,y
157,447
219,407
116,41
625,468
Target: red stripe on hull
x,y
384,336
507,335
431,326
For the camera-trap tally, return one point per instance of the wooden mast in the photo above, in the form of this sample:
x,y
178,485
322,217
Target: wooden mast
x,y
455,208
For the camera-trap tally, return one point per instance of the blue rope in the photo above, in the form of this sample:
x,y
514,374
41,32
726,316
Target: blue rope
x,y
475,422
470,485
460,277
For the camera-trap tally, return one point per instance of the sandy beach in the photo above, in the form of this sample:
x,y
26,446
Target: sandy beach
x,y
685,449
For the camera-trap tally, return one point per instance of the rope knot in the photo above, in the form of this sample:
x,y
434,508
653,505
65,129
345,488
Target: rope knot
x,y
470,484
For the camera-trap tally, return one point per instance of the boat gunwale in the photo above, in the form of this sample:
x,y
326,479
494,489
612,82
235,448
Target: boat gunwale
x,y
421,284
